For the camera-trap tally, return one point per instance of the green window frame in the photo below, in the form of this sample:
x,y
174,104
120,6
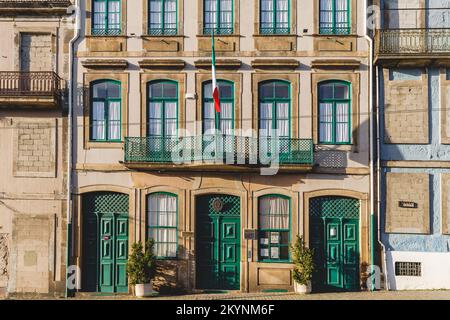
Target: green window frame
x,y
335,110
218,119
334,17
105,111
106,17
218,16
162,17
274,17
274,107
162,225
274,240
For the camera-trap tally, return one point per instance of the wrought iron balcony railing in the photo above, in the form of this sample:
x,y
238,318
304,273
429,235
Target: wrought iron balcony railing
x,y
228,149
413,41
31,84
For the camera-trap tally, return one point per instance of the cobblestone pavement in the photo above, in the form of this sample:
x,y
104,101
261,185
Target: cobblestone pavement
x,y
381,295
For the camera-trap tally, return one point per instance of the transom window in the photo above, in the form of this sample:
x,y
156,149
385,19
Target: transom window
x,y
334,113
274,16
106,17
162,223
218,16
212,120
334,17
274,228
105,117
162,16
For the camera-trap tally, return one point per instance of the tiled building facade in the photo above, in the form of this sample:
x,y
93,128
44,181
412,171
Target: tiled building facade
x,y
413,75
297,68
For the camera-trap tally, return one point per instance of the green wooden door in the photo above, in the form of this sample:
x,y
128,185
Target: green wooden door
x,y
218,242
334,236
105,245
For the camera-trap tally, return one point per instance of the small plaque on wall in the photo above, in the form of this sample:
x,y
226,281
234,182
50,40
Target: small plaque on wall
x,y
408,204
250,234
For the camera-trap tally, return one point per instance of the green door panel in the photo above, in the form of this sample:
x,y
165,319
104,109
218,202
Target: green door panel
x,y
218,243
334,236
105,244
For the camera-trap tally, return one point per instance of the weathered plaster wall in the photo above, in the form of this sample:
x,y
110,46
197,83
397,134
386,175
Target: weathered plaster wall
x,y
432,151
433,242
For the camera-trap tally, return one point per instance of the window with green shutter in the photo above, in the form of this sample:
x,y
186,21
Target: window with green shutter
x,y
212,120
274,17
162,17
218,16
334,112
274,213
334,17
106,111
106,18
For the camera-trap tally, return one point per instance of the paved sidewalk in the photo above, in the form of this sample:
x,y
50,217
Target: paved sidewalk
x,y
380,295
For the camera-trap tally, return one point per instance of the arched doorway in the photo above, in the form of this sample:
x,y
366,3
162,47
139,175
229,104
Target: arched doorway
x,y
334,236
105,242
218,242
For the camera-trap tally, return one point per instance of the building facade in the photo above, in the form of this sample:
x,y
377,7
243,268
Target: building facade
x,y
34,60
149,160
413,93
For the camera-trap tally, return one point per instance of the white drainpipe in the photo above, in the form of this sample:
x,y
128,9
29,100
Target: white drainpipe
x,y
70,133
372,165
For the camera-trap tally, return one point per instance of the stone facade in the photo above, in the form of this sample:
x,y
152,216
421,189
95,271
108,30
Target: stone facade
x,y
35,146
407,188
36,52
406,110
247,59
34,67
414,136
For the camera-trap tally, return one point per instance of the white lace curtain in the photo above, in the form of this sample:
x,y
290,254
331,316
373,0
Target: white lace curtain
x,y
156,14
273,213
162,223
342,125
339,7
225,16
101,125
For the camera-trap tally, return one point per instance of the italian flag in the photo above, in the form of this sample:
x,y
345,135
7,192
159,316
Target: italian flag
x,y
215,88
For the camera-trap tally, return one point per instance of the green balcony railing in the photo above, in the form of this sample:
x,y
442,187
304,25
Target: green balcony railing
x,y
228,149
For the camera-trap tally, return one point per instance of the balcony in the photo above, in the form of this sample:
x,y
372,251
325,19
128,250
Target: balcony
x,y
17,7
413,42
218,152
31,89
413,36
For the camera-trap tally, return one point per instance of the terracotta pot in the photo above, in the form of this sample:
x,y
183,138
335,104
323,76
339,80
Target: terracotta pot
x,y
301,288
144,290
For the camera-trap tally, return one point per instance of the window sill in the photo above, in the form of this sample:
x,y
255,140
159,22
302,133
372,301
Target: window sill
x,y
218,35
331,35
333,147
104,145
145,36
274,35
106,36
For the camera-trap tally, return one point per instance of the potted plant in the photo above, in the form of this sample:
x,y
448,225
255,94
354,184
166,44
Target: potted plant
x,y
303,266
141,268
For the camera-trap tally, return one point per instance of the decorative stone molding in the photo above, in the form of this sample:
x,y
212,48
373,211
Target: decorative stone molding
x,y
232,64
162,64
276,64
335,64
105,64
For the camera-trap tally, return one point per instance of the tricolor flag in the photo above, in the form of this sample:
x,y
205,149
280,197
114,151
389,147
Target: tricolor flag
x,y
215,88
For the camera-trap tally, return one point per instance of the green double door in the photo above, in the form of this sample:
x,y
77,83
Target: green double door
x,y
334,236
105,242
218,242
